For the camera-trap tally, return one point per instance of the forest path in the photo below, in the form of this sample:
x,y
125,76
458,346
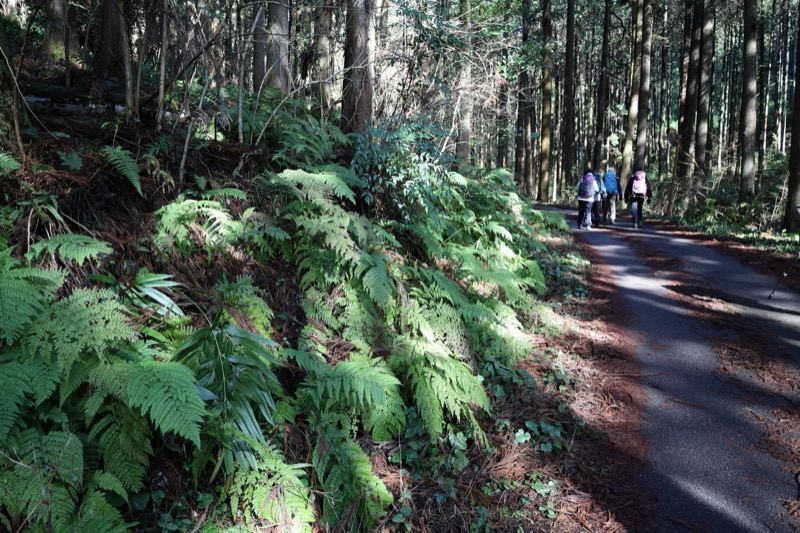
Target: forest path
x,y
708,461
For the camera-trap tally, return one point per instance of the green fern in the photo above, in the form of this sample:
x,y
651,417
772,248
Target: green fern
x,y
177,219
8,164
123,441
274,494
123,162
353,497
14,384
376,279
442,386
319,187
47,476
23,291
167,393
88,323
97,515
243,297
70,247
358,381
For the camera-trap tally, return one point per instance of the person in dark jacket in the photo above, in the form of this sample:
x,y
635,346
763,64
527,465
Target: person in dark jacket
x,y
613,189
636,192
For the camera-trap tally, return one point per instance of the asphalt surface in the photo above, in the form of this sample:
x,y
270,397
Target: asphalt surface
x,y
704,462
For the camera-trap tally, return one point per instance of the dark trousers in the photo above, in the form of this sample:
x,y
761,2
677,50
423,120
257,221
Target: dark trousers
x,y
584,213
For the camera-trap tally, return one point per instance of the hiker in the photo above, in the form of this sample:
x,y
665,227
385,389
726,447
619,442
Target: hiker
x,y
586,188
611,183
599,196
636,192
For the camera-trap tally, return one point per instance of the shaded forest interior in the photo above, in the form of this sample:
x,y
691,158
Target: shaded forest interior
x,y
278,264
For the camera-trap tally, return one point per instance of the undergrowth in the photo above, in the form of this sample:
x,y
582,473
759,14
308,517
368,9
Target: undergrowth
x,y
285,340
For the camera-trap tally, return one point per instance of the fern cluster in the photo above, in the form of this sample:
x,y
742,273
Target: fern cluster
x,y
81,399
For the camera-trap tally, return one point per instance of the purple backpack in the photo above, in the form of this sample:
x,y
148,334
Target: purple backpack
x,y
586,189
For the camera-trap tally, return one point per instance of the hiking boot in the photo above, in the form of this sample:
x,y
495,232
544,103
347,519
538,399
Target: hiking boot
x,y
635,225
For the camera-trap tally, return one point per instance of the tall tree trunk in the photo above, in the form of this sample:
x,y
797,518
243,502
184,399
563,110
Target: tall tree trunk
x,y
568,138
663,113
323,66
359,76
259,47
521,133
522,126
114,52
278,73
602,89
702,167
644,84
763,76
793,197
465,93
686,156
749,111
547,96
501,124
633,90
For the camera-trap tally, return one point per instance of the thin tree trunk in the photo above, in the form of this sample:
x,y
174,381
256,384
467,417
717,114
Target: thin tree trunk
x,y
686,156
547,96
602,89
704,98
644,84
162,68
465,93
790,221
568,139
633,90
749,111
523,108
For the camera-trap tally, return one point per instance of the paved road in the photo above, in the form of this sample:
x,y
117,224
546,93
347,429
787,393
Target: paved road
x,y
704,461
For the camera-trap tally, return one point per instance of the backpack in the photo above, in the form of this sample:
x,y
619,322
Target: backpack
x,y
639,183
610,181
586,189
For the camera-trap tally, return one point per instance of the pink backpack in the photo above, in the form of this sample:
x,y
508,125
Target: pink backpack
x,y
639,183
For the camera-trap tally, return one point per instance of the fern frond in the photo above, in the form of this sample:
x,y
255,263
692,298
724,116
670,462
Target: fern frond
x,y
360,380
8,164
168,394
98,516
318,187
176,219
47,476
107,481
387,420
442,385
13,397
274,494
124,163
334,231
88,323
225,192
70,247
347,479
23,291
376,279
123,439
